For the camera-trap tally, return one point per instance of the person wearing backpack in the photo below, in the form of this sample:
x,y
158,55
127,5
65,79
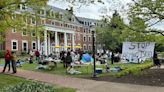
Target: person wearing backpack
x,y
7,61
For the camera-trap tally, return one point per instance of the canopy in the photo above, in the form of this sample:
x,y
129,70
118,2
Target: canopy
x,y
67,46
57,46
78,46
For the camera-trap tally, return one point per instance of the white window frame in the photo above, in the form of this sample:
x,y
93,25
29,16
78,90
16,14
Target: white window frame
x,y
16,45
32,21
13,30
24,41
25,31
32,34
89,38
83,39
84,47
89,47
32,45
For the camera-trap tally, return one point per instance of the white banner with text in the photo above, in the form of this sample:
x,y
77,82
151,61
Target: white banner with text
x,y
137,52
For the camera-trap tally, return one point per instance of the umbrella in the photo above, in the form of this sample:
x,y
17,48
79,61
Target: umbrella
x,y
86,58
57,46
67,46
78,47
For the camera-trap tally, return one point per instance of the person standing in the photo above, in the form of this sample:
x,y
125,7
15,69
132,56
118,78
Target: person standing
x,y
156,60
37,54
68,61
7,61
112,58
13,61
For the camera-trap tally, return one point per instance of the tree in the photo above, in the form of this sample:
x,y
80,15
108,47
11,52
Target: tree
x,y
151,11
12,17
110,34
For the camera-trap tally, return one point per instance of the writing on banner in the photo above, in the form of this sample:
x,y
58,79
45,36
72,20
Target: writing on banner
x,y
137,52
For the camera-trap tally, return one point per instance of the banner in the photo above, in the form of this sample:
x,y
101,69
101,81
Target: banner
x,y
137,52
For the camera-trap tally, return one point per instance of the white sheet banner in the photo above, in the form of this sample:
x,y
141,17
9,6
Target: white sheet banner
x,y
137,52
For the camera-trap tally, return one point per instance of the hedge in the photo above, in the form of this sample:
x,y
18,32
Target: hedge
x,y
134,70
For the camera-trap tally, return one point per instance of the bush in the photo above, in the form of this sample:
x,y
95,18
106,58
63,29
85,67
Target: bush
x,y
2,53
135,70
23,53
30,87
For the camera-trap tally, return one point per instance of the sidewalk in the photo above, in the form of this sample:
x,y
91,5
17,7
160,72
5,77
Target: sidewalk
x,y
84,85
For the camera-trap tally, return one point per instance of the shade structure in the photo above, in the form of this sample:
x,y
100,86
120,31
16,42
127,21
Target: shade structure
x,y
57,46
67,46
78,47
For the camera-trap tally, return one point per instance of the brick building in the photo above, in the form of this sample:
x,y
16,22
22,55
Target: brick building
x,y
62,30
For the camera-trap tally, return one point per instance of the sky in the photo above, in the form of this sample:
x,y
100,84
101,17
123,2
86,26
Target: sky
x,y
97,10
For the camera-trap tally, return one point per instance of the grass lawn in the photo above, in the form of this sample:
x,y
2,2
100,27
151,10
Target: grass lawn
x,y
6,80
87,71
9,80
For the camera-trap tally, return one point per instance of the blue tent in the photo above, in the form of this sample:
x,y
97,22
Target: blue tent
x,y
87,58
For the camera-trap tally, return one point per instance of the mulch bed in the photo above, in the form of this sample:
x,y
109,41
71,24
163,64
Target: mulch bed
x,y
151,77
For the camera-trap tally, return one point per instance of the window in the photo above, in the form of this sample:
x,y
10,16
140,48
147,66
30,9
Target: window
x,y
89,47
89,39
89,31
23,6
84,30
84,39
33,45
42,12
53,23
33,21
52,13
14,30
68,36
24,32
33,34
43,21
14,45
13,16
25,46
84,47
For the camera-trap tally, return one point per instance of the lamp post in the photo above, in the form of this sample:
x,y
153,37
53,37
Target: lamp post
x,y
93,50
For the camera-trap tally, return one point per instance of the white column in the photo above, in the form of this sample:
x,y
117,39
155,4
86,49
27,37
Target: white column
x,y
65,41
73,42
38,38
45,42
56,40
49,45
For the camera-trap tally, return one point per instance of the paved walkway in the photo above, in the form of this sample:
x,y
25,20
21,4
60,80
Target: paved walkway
x,y
84,85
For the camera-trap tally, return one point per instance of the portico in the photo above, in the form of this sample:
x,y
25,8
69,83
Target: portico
x,y
60,39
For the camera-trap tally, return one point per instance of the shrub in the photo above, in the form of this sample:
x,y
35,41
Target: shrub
x,y
136,70
2,53
23,53
30,87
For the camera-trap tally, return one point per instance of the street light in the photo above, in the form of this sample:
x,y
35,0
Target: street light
x,y
93,49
